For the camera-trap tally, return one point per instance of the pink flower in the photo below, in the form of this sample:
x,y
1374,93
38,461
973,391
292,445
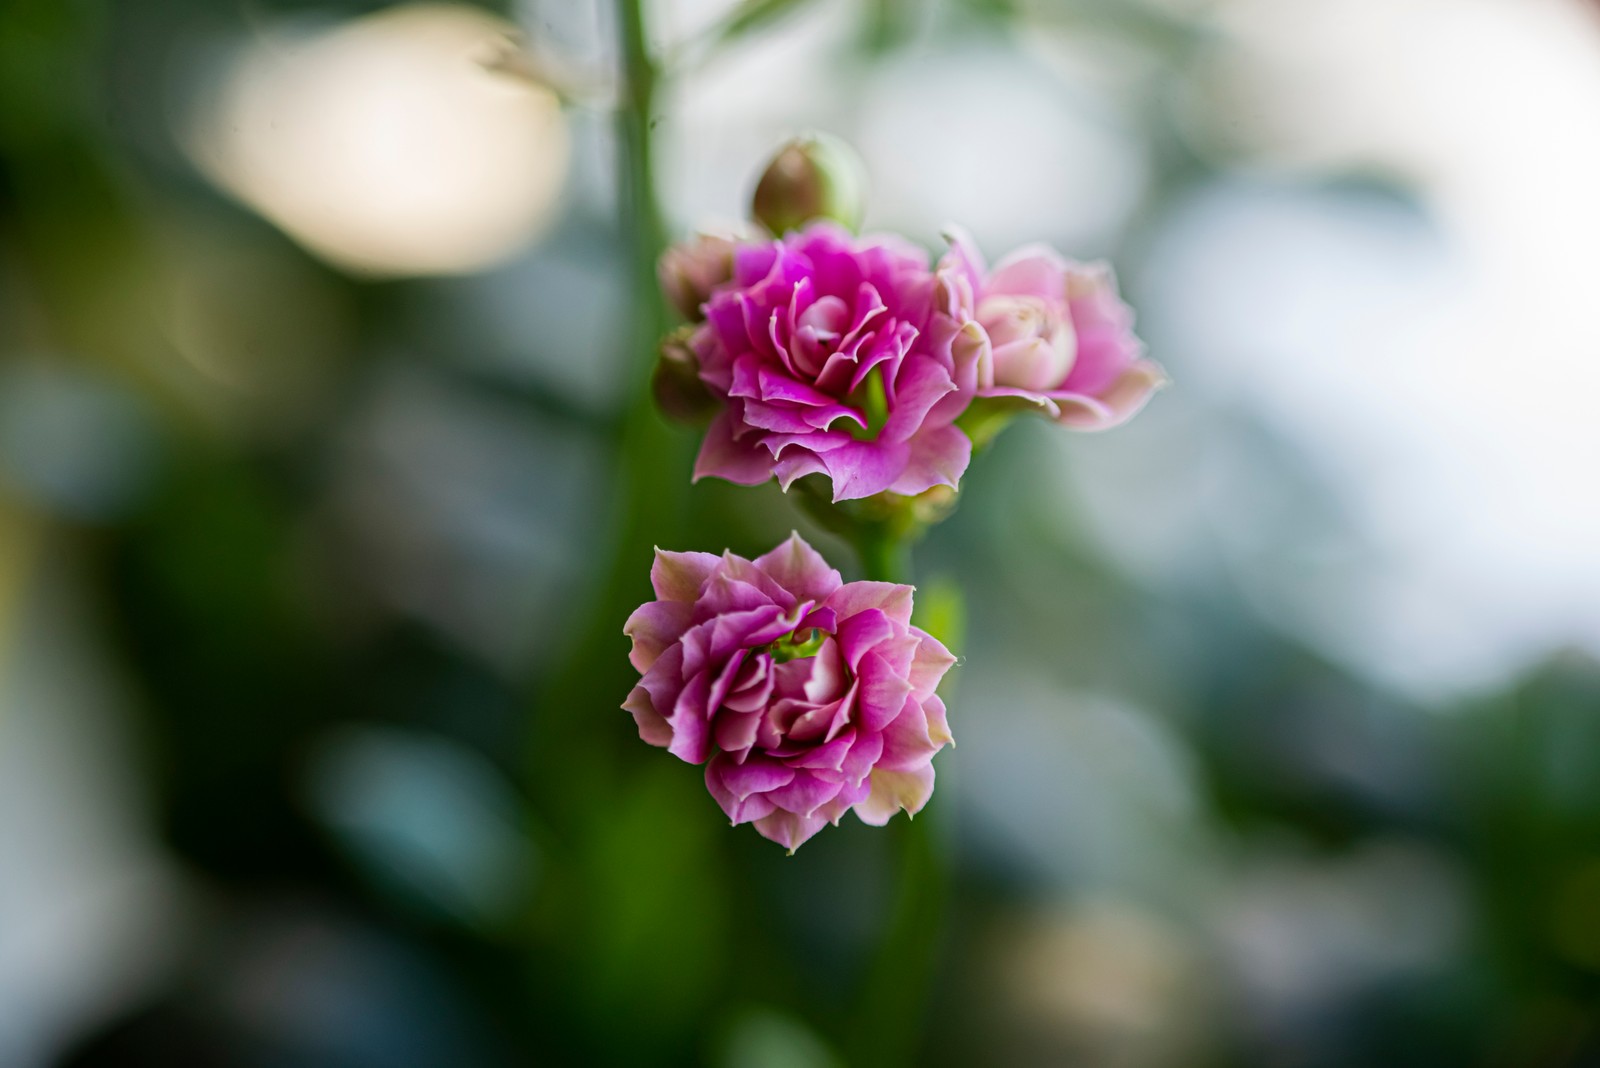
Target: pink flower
x,y
1061,339
803,696
839,356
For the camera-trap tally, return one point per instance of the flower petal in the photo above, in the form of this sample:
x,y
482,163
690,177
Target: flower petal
x,y
800,569
893,791
653,627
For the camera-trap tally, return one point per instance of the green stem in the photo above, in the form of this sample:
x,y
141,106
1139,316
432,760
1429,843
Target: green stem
x,y
637,160
890,1011
893,999
574,707
884,558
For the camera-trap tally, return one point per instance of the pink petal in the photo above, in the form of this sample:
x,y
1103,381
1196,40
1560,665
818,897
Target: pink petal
x,y
800,569
882,693
1119,403
860,632
739,809
1032,271
757,775
922,383
929,664
861,468
805,793
653,727
691,733
907,742
653,627
939,457
890,598
679,576
722,457
788,829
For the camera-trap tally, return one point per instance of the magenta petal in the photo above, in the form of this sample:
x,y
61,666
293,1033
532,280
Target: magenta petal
x,y
757,775
861,468
921,385
939,457
739,809
862,631
800,569
938,726
830,756
881,693
907,742
691,733
805,793
890,598
929,664
735,732
664,681
827,680
788,829
723,457
862,758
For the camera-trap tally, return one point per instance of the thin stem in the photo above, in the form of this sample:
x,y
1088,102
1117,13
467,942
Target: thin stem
x,y
884,558
646,507
636,163
893,997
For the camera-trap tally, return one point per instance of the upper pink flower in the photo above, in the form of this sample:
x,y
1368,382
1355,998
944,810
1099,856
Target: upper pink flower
x,y
804,696
1061,339
837,355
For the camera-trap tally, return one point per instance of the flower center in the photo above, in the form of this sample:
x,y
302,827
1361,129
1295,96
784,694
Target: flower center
x,y
792,647
871,399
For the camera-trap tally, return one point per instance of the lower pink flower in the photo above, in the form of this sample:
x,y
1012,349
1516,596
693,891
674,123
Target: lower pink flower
x,y
804,696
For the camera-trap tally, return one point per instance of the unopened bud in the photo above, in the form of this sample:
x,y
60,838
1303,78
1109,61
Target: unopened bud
x,y
679,393
811,177
690,270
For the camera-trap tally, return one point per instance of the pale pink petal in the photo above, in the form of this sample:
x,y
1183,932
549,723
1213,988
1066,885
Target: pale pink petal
x,y
893,791
1033,271
653,627
653,727
679,576
1120,402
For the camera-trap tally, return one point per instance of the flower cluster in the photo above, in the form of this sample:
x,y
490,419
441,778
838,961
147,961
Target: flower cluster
x,y
863,364
854,358
803,695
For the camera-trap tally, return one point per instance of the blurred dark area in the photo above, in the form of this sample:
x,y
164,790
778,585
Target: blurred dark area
x,y
328,476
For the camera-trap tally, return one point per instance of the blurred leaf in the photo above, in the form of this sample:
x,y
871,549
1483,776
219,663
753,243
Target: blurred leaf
x,y
753,15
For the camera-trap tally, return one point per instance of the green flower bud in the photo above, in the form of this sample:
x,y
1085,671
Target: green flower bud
x,y
676,384
811,177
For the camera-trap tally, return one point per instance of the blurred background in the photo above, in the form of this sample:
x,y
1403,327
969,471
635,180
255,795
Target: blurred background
x,y
328,476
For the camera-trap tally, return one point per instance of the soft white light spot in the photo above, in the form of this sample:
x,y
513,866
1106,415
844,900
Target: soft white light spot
x,y
385,146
